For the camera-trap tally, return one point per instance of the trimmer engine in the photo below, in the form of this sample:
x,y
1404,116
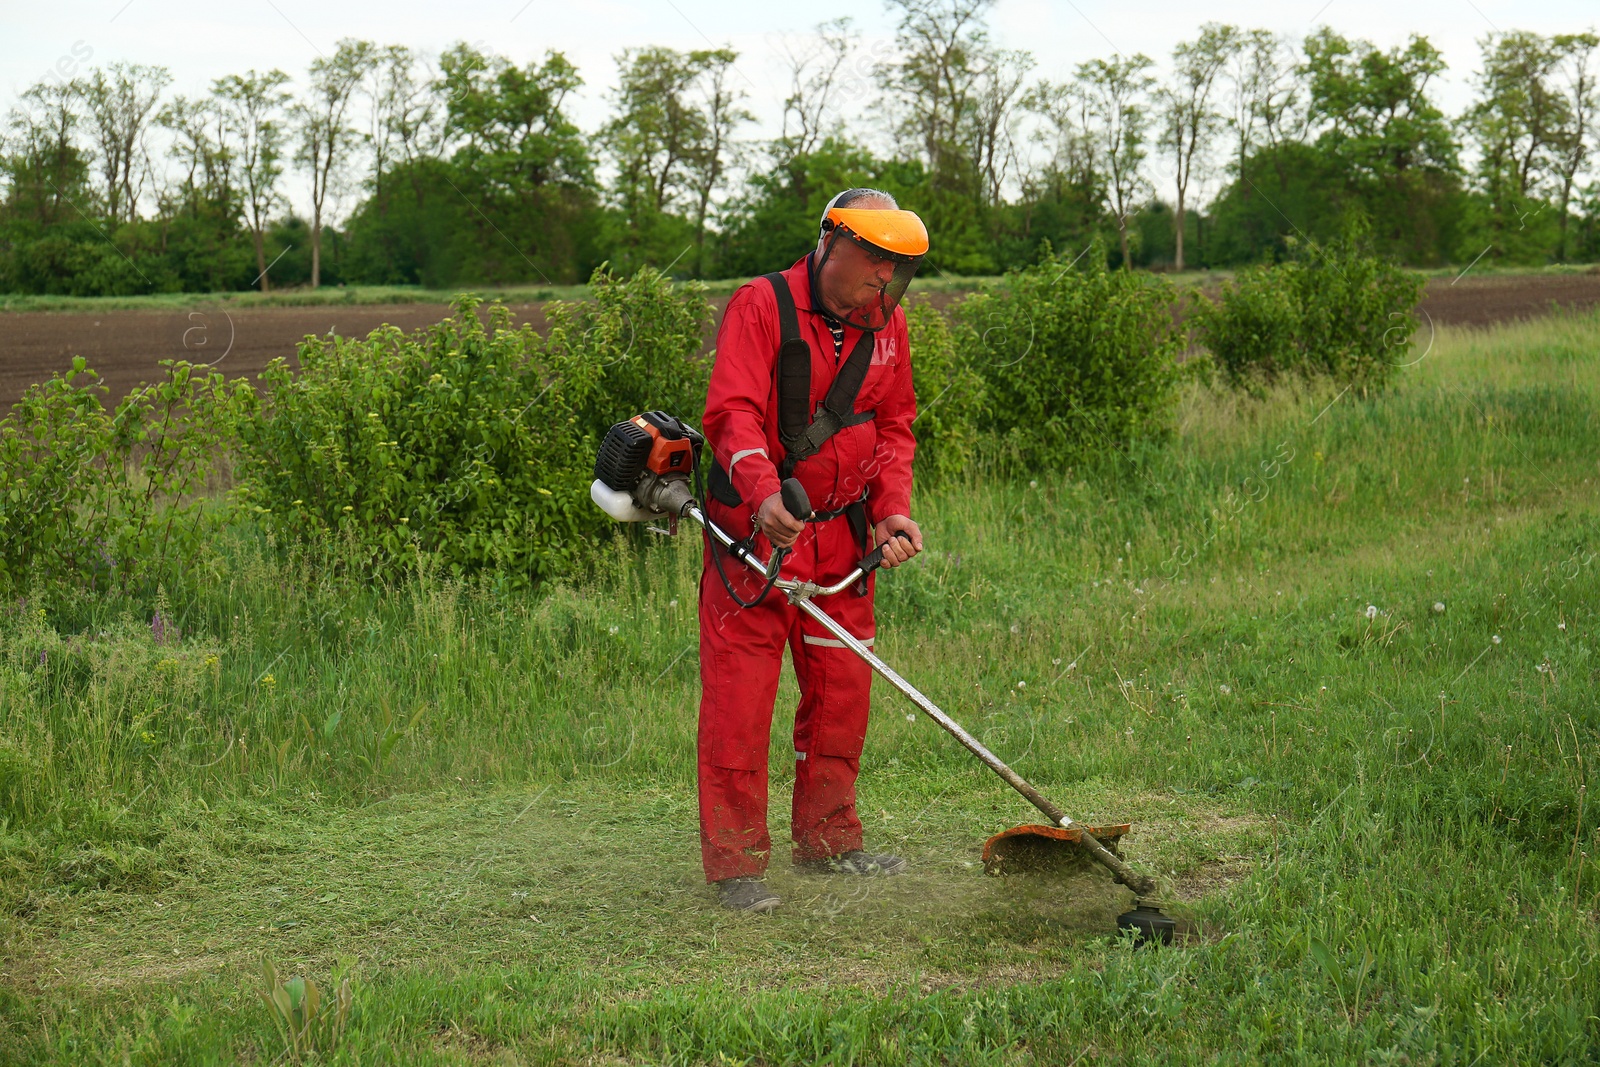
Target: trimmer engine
x,y
643,469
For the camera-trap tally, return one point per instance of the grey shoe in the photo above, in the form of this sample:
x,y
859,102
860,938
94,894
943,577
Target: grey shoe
x,y
747,894
857,862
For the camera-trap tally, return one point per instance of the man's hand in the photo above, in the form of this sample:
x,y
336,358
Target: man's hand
x,y
775,521
897,550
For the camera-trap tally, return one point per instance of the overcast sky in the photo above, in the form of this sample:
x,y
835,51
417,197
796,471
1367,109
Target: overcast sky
x,y
200,41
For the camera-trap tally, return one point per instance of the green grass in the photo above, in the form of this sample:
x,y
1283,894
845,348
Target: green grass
x,y
480,806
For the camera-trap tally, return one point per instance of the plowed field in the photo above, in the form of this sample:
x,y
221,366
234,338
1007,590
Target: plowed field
x,y
126,346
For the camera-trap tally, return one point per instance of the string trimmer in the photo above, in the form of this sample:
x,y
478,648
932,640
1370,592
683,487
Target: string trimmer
x,y
643,473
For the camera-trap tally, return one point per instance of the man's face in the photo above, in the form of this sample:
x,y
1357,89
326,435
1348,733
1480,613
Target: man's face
x,y
852,278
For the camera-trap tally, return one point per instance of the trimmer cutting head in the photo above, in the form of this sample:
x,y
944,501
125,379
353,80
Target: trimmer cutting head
x,y
1056,851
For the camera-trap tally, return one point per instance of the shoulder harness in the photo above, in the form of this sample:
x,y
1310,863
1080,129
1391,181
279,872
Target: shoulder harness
x,y
801,431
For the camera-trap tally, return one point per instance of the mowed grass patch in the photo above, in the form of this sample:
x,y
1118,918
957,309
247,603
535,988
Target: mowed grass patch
x,y
602,880
1331,654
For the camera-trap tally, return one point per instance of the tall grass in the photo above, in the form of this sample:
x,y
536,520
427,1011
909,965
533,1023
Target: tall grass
x,y
1340,647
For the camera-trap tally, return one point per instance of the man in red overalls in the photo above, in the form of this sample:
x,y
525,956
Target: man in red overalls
x,y
854,460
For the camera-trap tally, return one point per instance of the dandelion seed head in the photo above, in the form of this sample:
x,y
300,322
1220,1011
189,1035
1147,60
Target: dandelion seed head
x,y
1438,607
1495,639
1224,690
1372,611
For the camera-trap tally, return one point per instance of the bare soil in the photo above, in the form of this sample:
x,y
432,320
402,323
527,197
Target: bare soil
x,y
126,347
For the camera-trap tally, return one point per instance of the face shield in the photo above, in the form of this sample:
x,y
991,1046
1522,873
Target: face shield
x,y
875,252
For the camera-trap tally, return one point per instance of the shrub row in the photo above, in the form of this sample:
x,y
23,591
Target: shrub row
x,y
471,446
1056,361
1332,310
103,500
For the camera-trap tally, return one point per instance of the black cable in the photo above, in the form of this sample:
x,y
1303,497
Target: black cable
x,y
716,549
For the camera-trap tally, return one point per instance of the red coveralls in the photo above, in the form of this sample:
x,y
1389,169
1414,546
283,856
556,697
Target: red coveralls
x,y
741,649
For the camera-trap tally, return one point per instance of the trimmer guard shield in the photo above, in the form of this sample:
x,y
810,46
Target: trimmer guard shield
x,y
1045,849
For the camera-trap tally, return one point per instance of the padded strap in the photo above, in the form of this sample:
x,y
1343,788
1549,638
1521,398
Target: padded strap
x,y
835,412
828,516
794,364
801,431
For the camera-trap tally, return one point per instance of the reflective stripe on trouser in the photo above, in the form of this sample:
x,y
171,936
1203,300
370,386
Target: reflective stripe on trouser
x,y
741,656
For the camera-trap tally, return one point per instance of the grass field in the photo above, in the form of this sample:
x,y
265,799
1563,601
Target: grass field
x,y
1333,655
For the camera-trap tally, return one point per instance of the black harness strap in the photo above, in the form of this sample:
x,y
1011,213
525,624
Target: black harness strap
x,y
801,431
794,365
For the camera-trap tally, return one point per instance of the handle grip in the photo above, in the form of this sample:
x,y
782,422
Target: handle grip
x,y
795,499
874,559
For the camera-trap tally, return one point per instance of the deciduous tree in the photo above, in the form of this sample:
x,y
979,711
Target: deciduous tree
x,y
1579,83
326,138
1117,90
121,101
1190,120
254,104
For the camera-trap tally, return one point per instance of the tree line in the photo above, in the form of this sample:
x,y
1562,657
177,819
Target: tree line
x,y
468,168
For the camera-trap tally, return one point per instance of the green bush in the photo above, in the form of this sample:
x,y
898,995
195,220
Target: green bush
x,y
1073,357
461,441
108,500
1334,310
644,336
950,397
474,446
1253,331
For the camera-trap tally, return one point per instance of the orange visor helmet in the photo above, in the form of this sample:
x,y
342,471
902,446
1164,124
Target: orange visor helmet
x,y
888,236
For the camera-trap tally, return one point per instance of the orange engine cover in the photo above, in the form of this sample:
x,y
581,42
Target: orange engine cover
x,y
667,456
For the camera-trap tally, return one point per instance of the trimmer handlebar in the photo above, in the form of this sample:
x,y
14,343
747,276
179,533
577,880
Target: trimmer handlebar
x,y
874,559
795,499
